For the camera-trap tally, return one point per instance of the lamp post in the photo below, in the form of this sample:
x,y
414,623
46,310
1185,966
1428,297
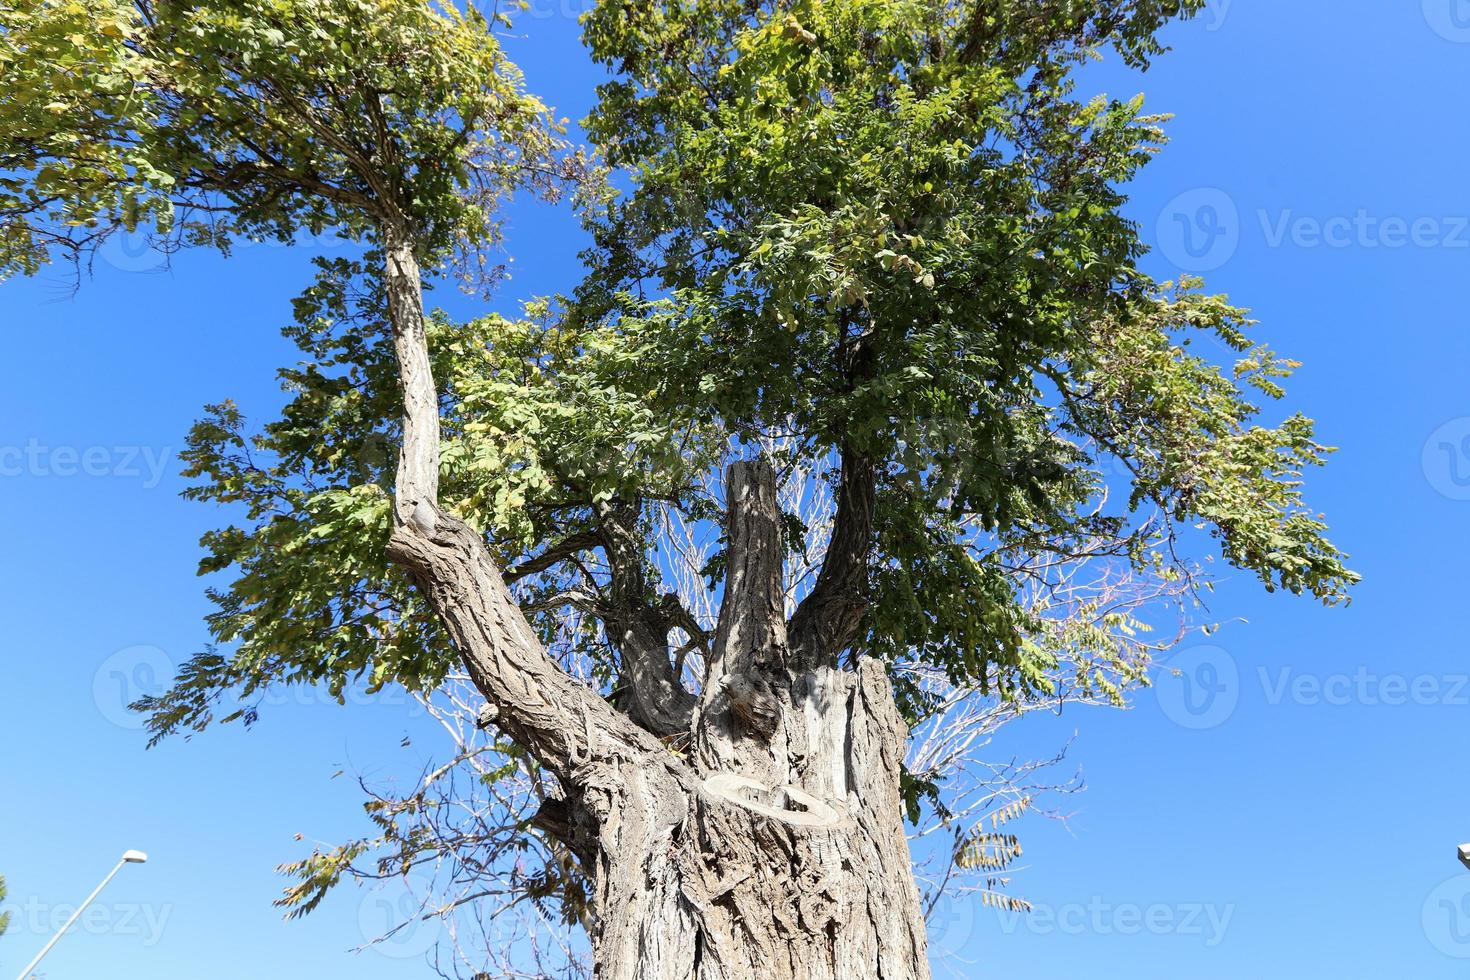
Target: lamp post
x,y
130,857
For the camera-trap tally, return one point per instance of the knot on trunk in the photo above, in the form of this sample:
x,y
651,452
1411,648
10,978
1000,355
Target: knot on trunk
x,y
753,702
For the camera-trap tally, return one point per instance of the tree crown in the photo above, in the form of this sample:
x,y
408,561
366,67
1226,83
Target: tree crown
x,y
878,242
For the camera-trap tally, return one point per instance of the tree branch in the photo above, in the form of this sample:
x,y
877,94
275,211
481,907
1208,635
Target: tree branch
x,y
638,628
828,619
750,650
560,721
560,552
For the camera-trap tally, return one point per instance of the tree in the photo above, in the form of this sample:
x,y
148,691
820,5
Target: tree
x,y
4,916
874,242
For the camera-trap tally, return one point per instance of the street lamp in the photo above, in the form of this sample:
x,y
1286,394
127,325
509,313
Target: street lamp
x,y
129,857
1465,855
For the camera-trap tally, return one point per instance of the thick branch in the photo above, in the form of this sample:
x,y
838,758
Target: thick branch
x,y
977,33
749,657
417,491
828,619
676,616
552,555
751,633
558,719
658,701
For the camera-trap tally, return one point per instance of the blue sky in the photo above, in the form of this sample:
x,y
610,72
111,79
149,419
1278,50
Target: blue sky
x,y
1288,806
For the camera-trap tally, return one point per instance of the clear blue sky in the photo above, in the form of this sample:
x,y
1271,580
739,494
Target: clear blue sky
x,y
1287,808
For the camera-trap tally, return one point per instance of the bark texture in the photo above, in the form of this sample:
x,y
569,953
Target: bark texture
x,y
741,879
774,848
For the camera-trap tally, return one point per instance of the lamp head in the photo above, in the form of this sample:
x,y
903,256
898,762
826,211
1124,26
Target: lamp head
x,y
135,857
1465,855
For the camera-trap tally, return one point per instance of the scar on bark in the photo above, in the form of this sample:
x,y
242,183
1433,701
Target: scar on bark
x,y
788,804
753,702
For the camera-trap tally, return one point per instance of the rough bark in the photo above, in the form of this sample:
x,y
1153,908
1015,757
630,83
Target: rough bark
x,y
553,715
808,878
828,619
773,850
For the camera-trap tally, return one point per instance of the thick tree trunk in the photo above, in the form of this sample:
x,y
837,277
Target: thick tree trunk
x,y
741,880
787,860
774,849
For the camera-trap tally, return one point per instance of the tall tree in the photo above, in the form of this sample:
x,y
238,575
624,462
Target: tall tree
x,y
877,240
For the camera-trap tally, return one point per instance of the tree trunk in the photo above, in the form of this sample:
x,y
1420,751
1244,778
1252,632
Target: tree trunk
x,y
808,879
773,849
786,859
